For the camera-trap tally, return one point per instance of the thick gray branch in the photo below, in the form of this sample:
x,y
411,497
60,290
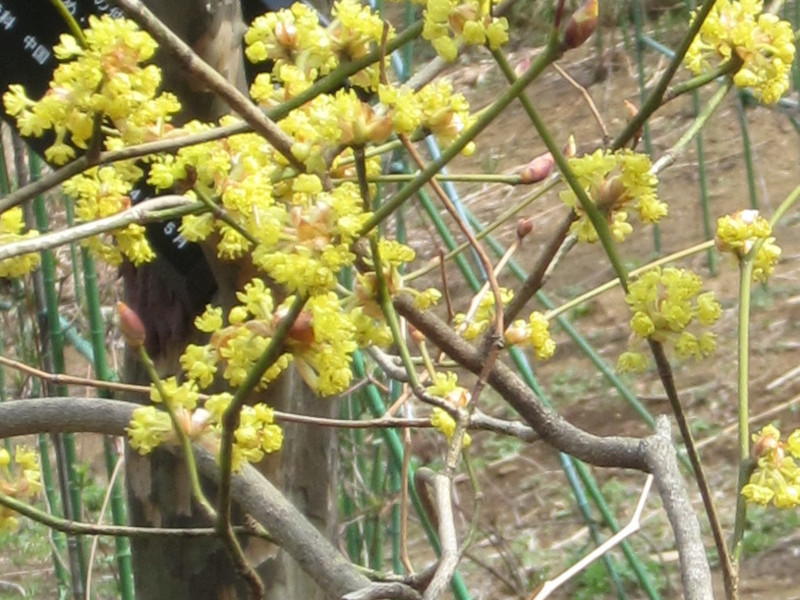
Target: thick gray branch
x,y
663,464
610,451
259,498
654,454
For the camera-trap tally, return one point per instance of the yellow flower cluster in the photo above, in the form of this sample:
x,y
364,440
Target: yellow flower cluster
x,y
449,23
776,478
302,49
483,316
24,484
764,43
740,232
329,122
102,192
12,225
534,332
297,233
256,435
103,82
446,386
665,304
320,342
614,180
150,426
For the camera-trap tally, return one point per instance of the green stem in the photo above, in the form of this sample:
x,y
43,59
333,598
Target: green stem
x,y
597,218
726,68
743,379
549,54
220,213
459,177
384,296
183,439
696,127
72,24
653,101
230,418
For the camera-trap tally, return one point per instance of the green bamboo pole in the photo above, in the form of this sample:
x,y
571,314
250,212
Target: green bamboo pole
x,y
54,502
377,408
64,443
103,372
792,14
377,486
69,206
711,255
353,538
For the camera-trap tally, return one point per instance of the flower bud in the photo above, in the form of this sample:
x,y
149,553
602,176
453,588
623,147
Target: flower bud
x,y
570,149
302,330
131,326
524,227
632,111
581,25
767,442
416,334
538,169
522,66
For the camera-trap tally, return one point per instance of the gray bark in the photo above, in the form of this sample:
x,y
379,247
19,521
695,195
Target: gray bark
x,y
157,484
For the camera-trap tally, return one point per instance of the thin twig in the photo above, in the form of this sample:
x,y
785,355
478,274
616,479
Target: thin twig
x,y
148,211
632,527
589,101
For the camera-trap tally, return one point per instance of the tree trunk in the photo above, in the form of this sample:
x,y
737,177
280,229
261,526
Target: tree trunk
x,y
168,298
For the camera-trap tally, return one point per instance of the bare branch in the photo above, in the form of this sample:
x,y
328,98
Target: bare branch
x,y
448,561
257,496
145,212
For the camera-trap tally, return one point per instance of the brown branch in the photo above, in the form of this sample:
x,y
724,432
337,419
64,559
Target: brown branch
x,y
536,278
596,450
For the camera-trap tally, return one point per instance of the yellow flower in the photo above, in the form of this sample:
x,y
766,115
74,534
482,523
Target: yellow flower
x,y
448,23
445,424
256,435
105,80
148,429
614,181
182,395
535,332
632,362
210,321
665,303
738,234
200,364
12,225
764,44
776,478
24,484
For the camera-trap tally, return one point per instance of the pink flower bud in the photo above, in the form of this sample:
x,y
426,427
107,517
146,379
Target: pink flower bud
x,y
581,25
524,227
130,325
536,170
